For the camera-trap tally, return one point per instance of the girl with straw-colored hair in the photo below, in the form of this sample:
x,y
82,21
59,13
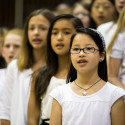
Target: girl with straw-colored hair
x,y
117,56
17,87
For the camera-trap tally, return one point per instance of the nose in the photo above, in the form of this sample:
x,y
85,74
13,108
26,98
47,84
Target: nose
x,y
36,31
101,9
60,36
81,53
11,49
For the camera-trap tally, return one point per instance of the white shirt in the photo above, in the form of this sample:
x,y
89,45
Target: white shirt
x,y
2,78
46,101
16,95
93,109
107,30
118,52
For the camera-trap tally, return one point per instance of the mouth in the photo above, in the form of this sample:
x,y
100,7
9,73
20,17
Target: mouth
x,y
11,57
121,7
37,41
82,62
59,46
101,17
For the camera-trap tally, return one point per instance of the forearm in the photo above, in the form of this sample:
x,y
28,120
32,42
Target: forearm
x,y
56,113
113,72
5,122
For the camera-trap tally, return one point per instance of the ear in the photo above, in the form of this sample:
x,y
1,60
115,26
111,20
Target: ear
x,y
102,56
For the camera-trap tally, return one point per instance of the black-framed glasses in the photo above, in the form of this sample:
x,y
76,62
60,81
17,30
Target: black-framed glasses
x,y
85,50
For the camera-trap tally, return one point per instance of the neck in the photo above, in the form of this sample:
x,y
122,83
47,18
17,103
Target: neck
x,y
39,59
63,66
87,78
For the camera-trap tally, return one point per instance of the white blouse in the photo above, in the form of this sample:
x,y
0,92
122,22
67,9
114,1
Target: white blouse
x,y
2,79
92,109
118,52
107,30
16,95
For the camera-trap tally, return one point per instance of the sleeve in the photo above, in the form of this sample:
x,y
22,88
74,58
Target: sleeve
x,y
118,47
7,91
118,93
56,94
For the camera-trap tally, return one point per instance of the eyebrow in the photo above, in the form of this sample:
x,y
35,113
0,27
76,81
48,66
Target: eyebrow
x,y
85,44
33,24
62,29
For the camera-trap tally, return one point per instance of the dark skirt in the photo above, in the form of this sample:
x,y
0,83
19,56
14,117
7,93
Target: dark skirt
x,y
44,122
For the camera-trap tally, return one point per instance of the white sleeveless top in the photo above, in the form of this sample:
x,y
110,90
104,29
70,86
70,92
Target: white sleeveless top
x,y
87,110
46,101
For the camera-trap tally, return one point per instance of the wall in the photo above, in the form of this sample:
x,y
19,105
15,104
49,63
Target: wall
x,y
14,12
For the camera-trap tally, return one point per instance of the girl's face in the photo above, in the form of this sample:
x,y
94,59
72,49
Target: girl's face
x,y
37,31
102,11
60,37
119,5
11,47
82,14
87,61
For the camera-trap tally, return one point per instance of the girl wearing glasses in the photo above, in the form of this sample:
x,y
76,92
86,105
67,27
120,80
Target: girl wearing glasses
x,y
88,98
102,11
82,11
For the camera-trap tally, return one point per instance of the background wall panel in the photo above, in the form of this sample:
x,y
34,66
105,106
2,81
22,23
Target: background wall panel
x,y
12,15
7,13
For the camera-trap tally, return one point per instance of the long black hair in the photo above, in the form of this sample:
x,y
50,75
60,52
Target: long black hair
x,y
99,40
44,74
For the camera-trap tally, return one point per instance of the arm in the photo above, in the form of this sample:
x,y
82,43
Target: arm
x,y
5,122
113,72
56,113
33,107
118,112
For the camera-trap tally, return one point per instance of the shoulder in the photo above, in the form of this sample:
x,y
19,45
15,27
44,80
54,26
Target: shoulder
x,y
112,88
114,92
2,71
105,26
12,68
60,89
119,41
13,64
2,75
121,35
59,92
57,82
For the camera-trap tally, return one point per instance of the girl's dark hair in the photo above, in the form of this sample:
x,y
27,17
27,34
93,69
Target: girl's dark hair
x,y
44,74
102,67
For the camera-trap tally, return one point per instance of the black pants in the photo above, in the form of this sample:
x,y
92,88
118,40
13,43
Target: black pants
x,y
44,122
